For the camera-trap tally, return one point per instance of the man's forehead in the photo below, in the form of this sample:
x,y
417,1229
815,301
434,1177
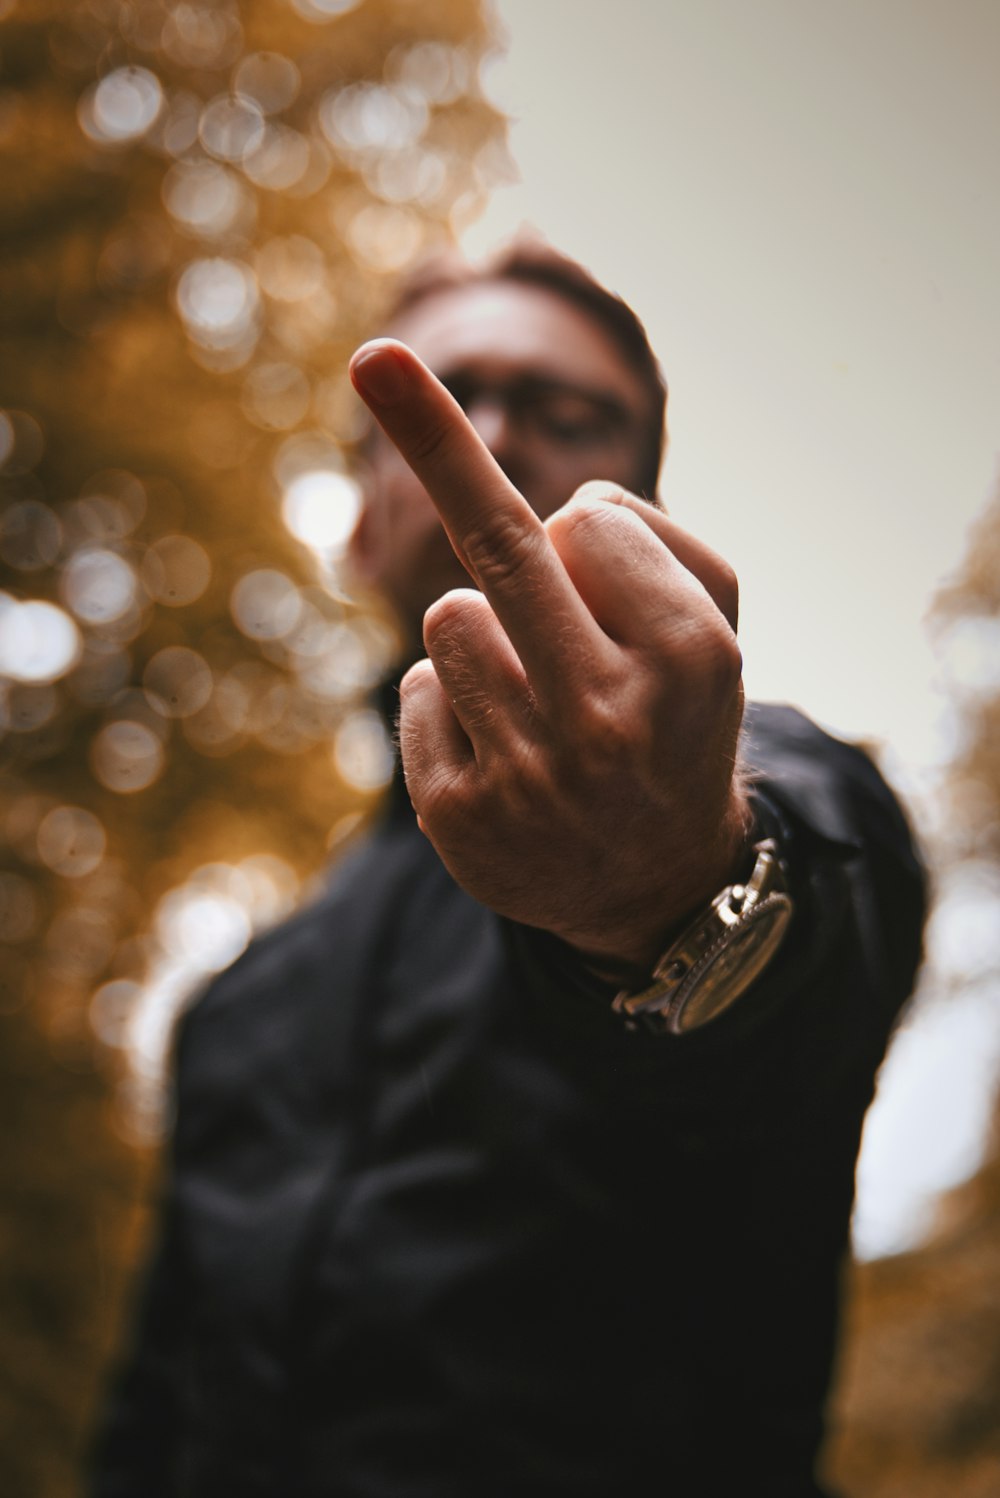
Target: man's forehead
x,y
507,327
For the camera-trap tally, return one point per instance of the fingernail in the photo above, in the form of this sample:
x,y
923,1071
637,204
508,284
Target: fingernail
x,y
379,373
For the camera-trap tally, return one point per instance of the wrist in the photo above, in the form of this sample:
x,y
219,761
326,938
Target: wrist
x,y
625,954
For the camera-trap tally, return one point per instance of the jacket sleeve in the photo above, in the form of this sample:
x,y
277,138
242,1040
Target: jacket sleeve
x,y
815,1025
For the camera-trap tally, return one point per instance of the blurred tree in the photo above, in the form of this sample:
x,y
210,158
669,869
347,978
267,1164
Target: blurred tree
x,y
202,207
918,1408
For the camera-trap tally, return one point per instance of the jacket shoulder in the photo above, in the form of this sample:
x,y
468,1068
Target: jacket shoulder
x,y
833,786
314,951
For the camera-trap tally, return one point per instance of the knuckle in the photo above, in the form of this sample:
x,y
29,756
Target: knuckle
x,y
415,679
445,801
608,731
727,589
429,441
598,491
450,616
455,638
502,553
586,509
722,662
580,525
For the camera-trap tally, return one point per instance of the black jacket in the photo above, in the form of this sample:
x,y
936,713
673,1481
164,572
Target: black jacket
x,y
437,1225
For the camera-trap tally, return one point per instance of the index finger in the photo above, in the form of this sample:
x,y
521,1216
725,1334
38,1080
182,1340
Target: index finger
x,y
493,529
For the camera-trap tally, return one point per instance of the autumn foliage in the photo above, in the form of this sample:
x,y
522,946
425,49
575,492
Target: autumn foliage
x,y
202,208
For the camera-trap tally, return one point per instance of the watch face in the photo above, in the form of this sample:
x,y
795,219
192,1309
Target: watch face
x,y
729,972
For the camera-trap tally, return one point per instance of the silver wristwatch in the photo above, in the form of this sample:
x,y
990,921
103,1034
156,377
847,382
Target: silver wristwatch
x,y
719,953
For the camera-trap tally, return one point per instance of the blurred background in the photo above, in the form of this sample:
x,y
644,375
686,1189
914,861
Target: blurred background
x,y
203,208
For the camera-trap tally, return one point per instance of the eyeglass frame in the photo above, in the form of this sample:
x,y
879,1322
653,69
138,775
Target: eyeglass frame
x,y
523,400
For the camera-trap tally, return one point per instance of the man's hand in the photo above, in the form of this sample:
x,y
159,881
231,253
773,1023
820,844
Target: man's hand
x,y
570,743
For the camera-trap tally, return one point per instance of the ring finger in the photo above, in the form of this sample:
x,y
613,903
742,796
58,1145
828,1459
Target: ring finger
x,y
479,671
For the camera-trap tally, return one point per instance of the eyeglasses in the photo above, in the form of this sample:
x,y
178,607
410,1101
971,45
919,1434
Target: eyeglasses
x,y
556,412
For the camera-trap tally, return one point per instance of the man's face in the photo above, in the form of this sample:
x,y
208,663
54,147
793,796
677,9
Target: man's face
x,y
549,393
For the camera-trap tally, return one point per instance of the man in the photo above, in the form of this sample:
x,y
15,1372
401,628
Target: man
x,y
522,1162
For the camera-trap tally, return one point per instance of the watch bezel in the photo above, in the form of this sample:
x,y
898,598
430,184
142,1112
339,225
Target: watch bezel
x,y
754,913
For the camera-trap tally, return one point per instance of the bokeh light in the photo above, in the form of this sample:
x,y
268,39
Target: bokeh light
x,y
419,176
218,302
202,36
205,923
266,604
98,585
112,503
231,127
363,751
439,72
372,117
200,926
963,933
268,709
111,1010
126,756
337,664
29,707
276,396
178,681
270,79
337,405
38,640
282,159
21,442
385,238
207,200
324,10
270,886
176,570
176,129
969,649
320,508
71,841
291,267
122,107
229,705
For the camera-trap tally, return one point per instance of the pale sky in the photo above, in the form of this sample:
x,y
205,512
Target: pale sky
x,y
802,201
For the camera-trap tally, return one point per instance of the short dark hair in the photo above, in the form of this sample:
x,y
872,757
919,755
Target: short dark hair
x,y
531,261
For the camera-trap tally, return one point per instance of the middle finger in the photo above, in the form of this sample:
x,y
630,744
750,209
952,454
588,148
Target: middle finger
x,y
492,528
